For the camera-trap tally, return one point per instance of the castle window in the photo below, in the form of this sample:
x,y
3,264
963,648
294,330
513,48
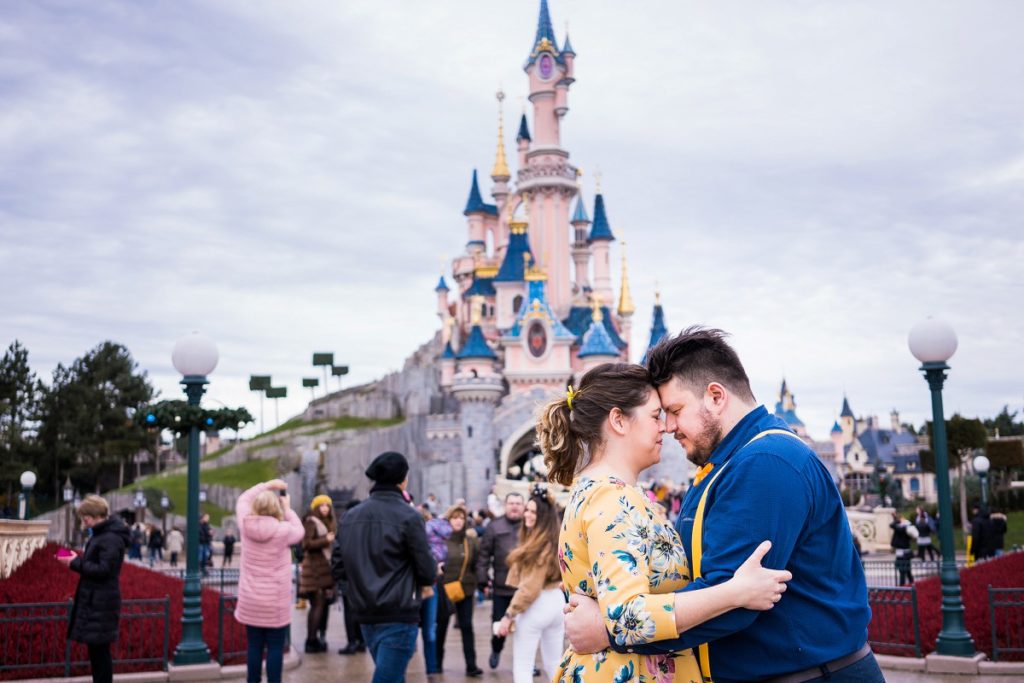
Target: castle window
x,y
469,432
915,485
517,303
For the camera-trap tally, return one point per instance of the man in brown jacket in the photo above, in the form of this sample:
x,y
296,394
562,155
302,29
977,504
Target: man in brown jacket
x,y
500,537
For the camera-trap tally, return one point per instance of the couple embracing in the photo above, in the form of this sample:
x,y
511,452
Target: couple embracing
x,y
759,579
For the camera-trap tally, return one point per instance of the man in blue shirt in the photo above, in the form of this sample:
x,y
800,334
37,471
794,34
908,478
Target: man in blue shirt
x,y
762,482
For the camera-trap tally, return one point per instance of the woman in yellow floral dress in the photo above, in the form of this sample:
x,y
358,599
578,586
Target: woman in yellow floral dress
x,y
616,546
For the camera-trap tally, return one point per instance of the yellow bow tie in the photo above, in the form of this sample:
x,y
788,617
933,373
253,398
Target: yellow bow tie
x,y
702,472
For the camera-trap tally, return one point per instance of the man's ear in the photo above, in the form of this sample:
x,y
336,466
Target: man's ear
x,y
716,397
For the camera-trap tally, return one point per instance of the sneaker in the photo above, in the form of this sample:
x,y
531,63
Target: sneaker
x,y
494,658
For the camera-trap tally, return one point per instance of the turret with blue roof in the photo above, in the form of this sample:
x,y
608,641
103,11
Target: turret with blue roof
x,y
518,253
658,329
596,340
846,412
449,352
579,321
476,346
580,216
600,230
475,203
545,37
442,286
836,429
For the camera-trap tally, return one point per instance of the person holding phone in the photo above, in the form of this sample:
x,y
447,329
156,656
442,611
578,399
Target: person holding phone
x,y
96,612
268,527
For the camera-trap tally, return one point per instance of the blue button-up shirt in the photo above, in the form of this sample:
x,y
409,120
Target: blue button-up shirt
x,y
774,489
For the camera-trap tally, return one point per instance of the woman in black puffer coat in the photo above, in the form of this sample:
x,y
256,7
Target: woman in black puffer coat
x,y
97,607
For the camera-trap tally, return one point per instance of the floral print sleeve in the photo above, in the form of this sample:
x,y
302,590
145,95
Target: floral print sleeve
x,y
621,537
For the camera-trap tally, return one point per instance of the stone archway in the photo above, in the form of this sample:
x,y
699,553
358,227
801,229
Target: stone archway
x,y
519,453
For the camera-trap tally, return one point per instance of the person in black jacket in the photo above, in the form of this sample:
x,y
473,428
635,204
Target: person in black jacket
x,y
97,606
382,561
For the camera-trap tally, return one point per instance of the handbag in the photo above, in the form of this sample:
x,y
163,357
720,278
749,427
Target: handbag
x,y
453,589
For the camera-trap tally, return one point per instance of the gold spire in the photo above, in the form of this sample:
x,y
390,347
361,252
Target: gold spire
x,y
626,306
500,169
476,305
595,304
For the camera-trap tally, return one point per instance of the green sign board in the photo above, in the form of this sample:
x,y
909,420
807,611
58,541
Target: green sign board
x,y
339,370
310,382
277,392
323,359
259,382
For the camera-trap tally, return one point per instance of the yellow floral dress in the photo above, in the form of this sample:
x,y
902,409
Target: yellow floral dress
x,y
618,547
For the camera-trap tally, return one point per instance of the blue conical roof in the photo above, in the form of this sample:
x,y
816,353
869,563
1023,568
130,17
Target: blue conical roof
x,y
600,230
580,214
544,30
846,412
449,352
513,267
442,286
836,428
658,330
597,342
524,130
476,346
567,48
475,203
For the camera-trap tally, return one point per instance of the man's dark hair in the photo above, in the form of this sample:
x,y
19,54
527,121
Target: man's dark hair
x,y
514,494
698,356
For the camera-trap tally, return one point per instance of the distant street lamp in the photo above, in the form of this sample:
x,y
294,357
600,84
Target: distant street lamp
x,y
933,343
195,357
981,465
165,504
69,495
140,506
28,480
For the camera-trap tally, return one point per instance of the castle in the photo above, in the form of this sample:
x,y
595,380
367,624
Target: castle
x,y
525,311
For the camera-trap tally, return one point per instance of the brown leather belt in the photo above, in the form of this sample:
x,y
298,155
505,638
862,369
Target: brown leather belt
x,y
822,669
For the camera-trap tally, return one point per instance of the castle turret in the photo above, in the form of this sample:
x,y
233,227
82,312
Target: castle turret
x,y
600,240
837,442
476,211
500,174
847,421
546,177
447,362
658,329
580,247
523,140
442,298
510,282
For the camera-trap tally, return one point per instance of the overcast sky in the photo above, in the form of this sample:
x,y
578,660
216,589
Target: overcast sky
x,y
813,177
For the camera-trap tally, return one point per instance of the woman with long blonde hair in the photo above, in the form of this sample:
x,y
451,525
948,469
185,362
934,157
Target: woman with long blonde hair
x,y
534,617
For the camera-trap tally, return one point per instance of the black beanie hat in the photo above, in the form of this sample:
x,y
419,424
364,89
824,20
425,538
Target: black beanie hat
x,y
388,469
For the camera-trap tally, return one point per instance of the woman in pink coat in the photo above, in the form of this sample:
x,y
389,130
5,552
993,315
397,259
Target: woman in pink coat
x,y
269,528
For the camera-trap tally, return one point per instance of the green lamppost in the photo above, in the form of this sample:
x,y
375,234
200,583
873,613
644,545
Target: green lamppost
x,y
195,357
933,343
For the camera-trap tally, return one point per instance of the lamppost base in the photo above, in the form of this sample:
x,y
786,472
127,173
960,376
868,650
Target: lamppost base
x,y
955,644
191,653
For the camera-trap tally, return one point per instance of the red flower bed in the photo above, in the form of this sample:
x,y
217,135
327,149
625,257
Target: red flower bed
x,y
41,579
894,623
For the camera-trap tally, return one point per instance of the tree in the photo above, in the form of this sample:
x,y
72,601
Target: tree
x,y
19,398
1004,424
964,436
87,417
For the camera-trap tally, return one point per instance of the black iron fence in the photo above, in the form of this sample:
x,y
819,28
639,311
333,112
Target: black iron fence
x,y
1006,612
883,573
224,580
33,637
895,626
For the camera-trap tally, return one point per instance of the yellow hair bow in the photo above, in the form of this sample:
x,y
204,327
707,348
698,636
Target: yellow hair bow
x,y
569,396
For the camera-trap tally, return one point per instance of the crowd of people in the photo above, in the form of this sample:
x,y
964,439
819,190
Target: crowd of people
x,y
642,581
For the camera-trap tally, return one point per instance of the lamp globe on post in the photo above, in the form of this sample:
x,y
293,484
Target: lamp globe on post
x,y
195,357
981,466
934,342
68,495
28,480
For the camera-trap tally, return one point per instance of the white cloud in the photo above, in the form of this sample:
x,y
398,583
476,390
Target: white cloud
x,y
813,177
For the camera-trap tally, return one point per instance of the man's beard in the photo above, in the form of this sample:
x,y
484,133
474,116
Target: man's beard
x,y
704,443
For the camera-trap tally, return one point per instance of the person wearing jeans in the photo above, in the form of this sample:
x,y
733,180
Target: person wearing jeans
x,y
382,561
268,527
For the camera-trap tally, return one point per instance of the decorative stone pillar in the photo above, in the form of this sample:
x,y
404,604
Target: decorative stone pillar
x,y
18,540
